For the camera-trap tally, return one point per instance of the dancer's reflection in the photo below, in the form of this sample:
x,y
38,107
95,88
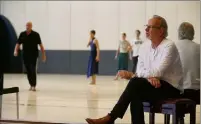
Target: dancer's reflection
x,y
92,101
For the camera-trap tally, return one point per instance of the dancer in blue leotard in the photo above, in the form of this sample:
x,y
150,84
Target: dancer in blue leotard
x,y
94,57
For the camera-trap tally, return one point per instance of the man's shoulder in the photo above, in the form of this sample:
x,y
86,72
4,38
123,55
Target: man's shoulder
x,y
23,32
168,43
34,32
187,44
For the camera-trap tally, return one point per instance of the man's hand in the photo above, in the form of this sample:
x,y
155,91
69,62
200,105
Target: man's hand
x,y
44,58
17,47
154,82
15,53
125,74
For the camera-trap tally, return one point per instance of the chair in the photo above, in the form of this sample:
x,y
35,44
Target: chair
x,y
190,94
176,107
9,91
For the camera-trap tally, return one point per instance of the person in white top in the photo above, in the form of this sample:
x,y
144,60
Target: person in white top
x,y
158,75
136,43
189,52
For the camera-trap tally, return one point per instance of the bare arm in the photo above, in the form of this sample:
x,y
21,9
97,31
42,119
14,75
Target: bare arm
x,y
118,50
17,47
43,52
97,49
42,49
129,46
89,42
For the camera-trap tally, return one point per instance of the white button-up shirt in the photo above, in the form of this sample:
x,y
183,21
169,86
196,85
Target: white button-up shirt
x,y
162,62
189,52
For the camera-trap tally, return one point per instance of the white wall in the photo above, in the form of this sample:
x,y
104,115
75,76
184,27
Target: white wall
x,y
65,25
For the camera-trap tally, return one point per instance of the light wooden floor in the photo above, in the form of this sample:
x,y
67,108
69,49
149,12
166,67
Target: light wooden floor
x,y
67,99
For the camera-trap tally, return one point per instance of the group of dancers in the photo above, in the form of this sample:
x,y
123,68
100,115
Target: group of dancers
x,y
30,40
123,54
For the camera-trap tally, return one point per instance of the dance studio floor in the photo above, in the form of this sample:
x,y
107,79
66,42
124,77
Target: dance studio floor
x,y
67,99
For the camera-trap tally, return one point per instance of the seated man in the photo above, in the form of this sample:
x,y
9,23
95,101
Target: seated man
x,y
189,52
158,75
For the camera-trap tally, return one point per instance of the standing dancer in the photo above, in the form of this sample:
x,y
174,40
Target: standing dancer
x,y
93,58
123,54
136,43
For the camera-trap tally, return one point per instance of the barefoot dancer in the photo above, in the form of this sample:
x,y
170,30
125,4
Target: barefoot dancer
x,y
93,58
123,54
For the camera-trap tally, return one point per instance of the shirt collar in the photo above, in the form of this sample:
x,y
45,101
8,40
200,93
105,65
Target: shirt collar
x,y
159,44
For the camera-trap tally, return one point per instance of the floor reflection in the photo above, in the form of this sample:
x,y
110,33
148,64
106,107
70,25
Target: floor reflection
x,y
31,111
92,101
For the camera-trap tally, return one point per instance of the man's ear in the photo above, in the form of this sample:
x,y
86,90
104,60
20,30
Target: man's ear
x,y
162,31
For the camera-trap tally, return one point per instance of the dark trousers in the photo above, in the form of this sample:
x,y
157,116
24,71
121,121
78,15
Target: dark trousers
x,y
135,60
30,65
192,94
137,91
1,82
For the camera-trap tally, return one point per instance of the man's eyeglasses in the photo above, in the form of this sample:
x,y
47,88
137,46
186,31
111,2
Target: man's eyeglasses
x,y
151,26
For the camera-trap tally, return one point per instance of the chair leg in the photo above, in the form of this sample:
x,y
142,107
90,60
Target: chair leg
x,y
151,118
193,115
167,119
181,120
1,97
17,103
175,119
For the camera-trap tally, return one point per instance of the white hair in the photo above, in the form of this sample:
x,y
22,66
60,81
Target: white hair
x,y
186,31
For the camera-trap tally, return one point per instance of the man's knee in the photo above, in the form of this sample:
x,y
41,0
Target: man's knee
x,y
137,83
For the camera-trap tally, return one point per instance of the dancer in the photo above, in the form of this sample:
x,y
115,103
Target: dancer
x,y
30,41
123,54
136,43
93,58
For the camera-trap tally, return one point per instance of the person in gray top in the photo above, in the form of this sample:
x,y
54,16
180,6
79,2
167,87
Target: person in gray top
x,y
189,52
